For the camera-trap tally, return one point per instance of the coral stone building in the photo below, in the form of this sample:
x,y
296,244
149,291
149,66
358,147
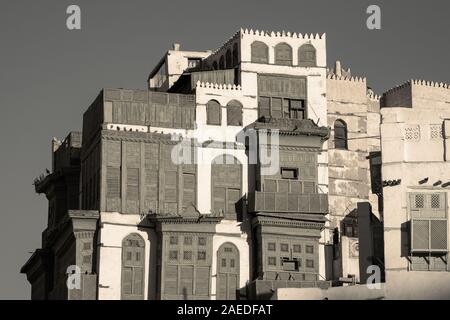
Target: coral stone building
x,y
237,173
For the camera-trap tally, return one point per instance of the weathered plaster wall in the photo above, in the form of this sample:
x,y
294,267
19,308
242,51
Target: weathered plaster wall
x,y
413,149
348,171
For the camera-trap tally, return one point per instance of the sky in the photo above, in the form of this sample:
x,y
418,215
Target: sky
x,y
49,75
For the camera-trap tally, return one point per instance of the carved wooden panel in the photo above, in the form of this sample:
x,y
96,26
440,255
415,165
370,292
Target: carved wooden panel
x,y
259,52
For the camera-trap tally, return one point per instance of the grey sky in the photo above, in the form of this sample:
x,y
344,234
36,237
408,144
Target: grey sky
x,y
49,75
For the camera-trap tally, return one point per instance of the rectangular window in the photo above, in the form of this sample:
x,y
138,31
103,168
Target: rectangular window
x,y
271,246
272,261
173,255
309,263
201,255
201,241
284,247
309,249
173,240
289,173
297,248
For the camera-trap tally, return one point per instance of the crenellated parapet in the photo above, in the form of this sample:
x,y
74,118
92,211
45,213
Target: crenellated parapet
x,y
218,86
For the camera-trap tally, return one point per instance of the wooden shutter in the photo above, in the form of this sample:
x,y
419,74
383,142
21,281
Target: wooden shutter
x,y
264,106
113,186
133,190
283,54
171,280
307,56
202,281
186,280
234,114
259,52
188,189
213,113
233,197
133,262
219,196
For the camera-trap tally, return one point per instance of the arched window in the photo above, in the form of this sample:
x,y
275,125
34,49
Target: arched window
x,y
283,54
222,63
133,258
228,59
340,134
307,56
235,55
213,113
214,65
234,113
260,52
227,271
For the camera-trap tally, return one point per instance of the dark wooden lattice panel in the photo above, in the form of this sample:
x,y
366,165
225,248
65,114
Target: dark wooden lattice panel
x,y
202,281
171,280
283,54
189,187
133,263
438,234
259,52
420,234
213,113
227,272
307,56
234,113
133,190
186,280
113,186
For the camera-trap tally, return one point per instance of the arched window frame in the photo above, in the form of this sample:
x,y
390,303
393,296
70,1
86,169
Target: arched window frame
x,y
235,55
283,54
133,262
222,63
307,56
228,60
234,113
214,65
340,135
259,52
213,113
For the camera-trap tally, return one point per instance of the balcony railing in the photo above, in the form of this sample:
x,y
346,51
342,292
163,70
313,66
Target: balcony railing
x,y
288,202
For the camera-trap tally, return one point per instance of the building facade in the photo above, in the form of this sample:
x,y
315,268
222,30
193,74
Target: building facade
x,y
237,173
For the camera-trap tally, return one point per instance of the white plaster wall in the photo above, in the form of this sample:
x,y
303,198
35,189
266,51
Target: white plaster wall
x,y
114,228
411,161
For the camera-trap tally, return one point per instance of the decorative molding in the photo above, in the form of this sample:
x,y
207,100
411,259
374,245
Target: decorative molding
x,y
284,34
